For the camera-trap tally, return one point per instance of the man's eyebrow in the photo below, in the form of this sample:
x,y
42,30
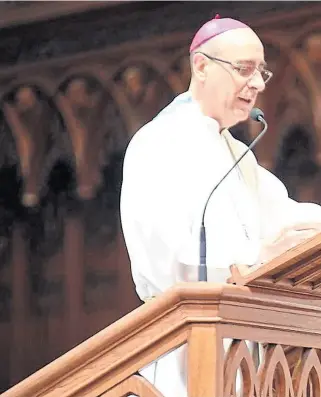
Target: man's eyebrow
x,y
251,61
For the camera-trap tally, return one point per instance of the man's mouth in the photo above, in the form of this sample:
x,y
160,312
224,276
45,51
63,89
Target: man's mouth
x,y
246,100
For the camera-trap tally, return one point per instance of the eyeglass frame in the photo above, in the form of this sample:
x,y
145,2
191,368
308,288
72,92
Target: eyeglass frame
x,y
237,67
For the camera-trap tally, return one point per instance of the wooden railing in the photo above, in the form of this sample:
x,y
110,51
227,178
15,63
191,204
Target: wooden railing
x,y
276,306
201,315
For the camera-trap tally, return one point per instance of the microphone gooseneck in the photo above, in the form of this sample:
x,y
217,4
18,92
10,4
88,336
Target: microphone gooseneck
x,y
256,115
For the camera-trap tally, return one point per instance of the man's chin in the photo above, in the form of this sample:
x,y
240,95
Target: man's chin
x,y
239,117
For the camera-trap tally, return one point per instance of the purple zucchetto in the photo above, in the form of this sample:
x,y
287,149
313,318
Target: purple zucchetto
x,y
212,28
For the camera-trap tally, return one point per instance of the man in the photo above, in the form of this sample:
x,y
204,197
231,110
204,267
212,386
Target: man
x,y
173,163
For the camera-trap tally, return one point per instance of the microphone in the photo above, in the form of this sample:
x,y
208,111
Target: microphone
x,y
256,115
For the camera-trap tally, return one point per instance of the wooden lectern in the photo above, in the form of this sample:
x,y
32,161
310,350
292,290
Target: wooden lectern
x,y
296,271
296,274
277,306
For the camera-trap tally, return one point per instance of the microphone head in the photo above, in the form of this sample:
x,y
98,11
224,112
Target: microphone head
x,y
256,114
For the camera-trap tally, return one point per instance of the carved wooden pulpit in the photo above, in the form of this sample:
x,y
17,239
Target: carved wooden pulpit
x,y
296,271
290,367
258,335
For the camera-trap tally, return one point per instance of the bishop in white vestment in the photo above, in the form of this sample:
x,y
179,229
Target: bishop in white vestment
x,y
173,163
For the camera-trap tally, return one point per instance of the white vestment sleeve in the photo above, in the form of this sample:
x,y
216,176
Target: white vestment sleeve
x,y
278,211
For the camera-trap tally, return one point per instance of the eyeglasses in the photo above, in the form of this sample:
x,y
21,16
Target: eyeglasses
x,y
246,70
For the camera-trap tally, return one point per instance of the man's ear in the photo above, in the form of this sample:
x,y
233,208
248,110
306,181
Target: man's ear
x,y
199,65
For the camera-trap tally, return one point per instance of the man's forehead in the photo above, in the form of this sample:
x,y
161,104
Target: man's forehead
x,y
243,44
243,38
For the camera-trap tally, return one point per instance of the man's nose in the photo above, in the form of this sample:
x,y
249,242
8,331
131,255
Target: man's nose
x,y
256,81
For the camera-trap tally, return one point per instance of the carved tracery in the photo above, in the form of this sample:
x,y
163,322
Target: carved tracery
x,y
284,372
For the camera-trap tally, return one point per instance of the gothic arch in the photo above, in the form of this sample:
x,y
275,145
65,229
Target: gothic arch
x,y
44,85
104,78
312,27
90,110
34,121
146,87
299,63
155,63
